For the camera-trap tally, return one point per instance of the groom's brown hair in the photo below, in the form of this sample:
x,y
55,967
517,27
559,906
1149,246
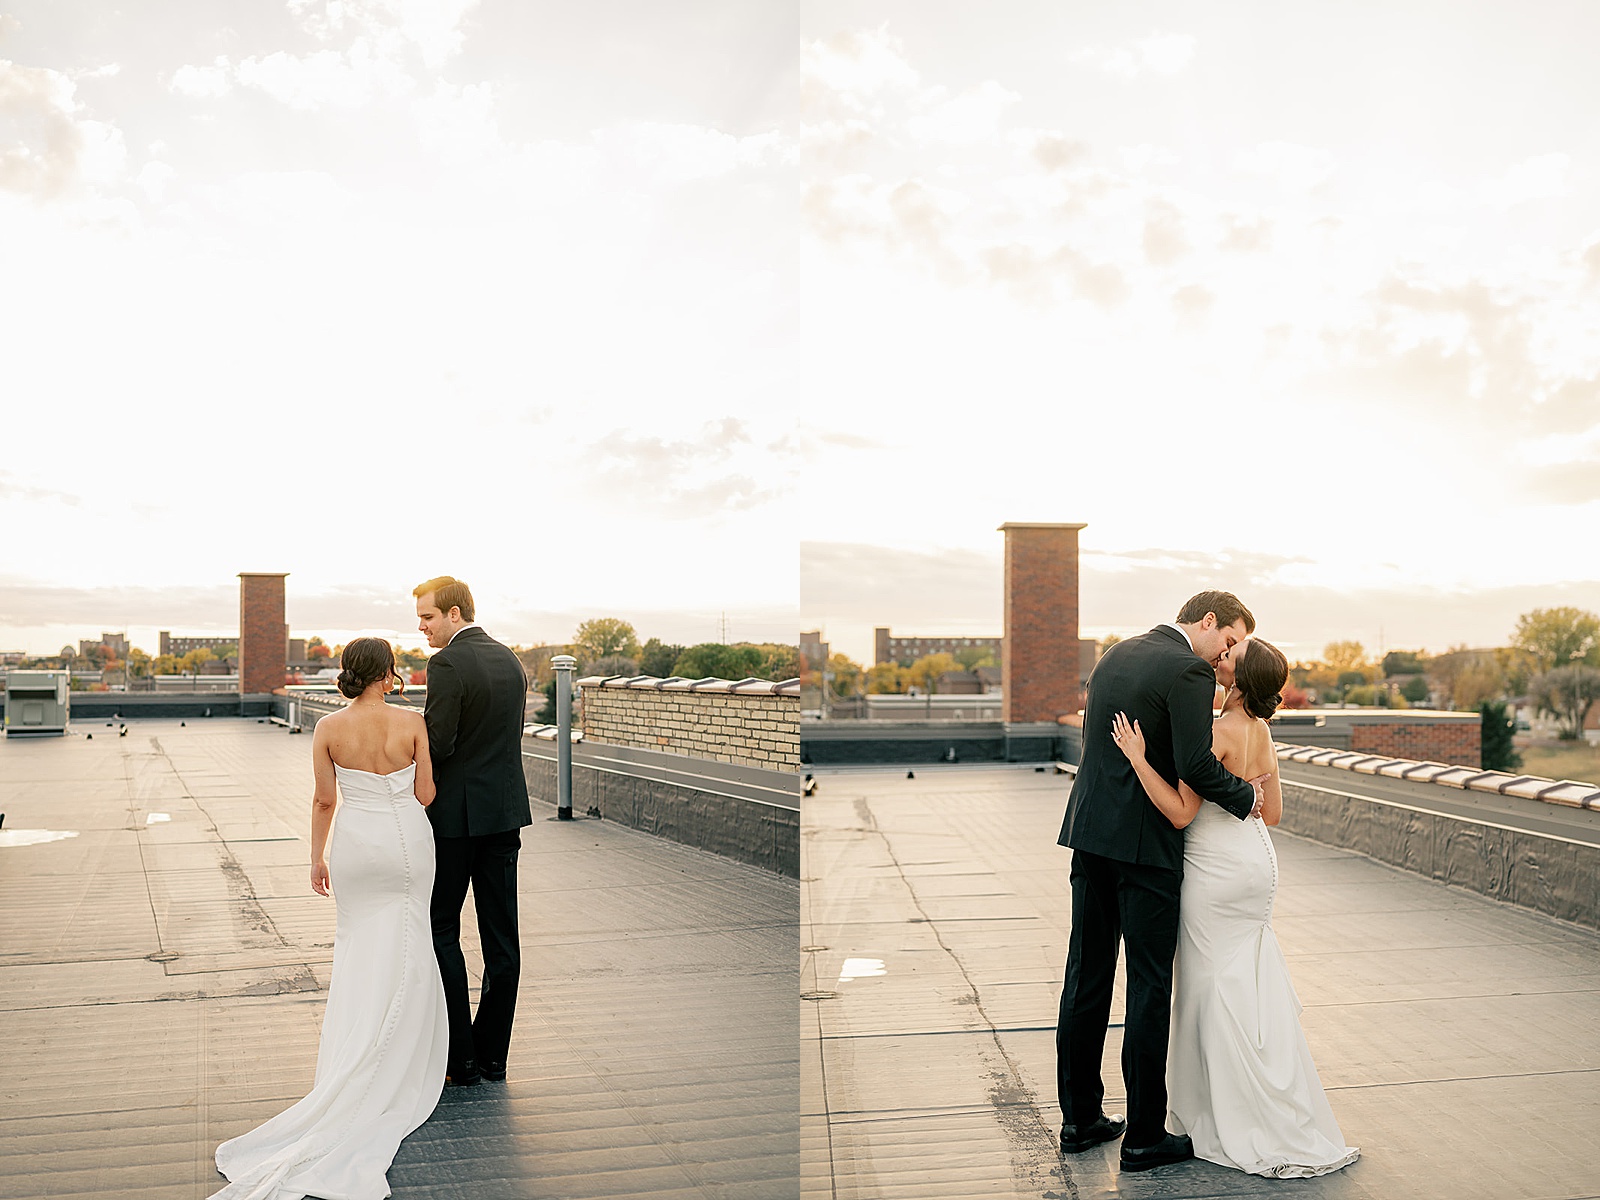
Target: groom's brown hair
x,y
448,592
1225,604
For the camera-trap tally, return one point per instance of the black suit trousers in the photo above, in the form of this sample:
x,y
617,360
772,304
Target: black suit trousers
x,y
489,864
1137,904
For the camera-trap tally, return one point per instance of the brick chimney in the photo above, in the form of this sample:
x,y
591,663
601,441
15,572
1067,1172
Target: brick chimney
x,y
1039,657
263,648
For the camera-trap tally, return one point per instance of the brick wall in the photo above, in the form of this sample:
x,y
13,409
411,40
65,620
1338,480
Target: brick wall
x,y
263,646
753,723
1456,742
1039,655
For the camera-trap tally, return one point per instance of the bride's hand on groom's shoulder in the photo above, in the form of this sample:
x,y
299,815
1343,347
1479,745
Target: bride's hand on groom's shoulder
x,y
319,878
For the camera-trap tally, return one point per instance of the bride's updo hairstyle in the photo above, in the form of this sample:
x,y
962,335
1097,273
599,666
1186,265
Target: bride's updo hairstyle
x,y
365,661
1260,675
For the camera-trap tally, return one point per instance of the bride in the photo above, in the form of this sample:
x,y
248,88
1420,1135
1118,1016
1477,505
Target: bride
x,y
1240,1078
381,1064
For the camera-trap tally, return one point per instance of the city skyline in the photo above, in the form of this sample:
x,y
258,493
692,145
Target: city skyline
x,y
1304,307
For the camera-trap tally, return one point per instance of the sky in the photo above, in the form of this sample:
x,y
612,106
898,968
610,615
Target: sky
x,y
1297,301
771,313
369,291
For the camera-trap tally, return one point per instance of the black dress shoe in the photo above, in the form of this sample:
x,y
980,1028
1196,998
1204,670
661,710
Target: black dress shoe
x,y
1077,1138
466,1075
1174,1148
493,1071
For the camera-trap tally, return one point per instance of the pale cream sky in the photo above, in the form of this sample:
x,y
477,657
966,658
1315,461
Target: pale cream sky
x,y
1301,301
370,290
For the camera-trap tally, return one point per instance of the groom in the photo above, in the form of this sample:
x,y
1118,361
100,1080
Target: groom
x,y
474,712
1127,867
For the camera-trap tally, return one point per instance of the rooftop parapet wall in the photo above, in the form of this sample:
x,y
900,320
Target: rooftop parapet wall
x,y
1422,734
751,722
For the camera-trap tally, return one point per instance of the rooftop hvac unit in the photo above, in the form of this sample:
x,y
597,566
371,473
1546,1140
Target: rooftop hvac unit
x,y
36,702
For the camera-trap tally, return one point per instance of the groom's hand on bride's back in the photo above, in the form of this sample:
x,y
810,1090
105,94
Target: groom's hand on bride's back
x,y
1258,783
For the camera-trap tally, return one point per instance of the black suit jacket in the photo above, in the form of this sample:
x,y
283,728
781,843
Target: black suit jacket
x,y
1158,681
477,692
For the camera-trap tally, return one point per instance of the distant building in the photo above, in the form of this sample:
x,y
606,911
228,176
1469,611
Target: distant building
x,y
903,651
813,650
117,641
179,646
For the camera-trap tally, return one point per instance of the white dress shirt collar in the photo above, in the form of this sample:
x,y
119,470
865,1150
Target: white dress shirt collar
x,y
468,625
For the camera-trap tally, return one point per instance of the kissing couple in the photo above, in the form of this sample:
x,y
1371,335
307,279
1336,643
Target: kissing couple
x,y
1171,857
419,807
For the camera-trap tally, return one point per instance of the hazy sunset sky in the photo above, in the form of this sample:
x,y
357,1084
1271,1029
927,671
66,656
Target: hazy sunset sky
x,y
371,290
610,308
1303,301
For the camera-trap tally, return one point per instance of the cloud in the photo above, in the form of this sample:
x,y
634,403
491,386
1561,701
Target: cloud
x,y
1295,169
970,116
847,73
1245,235
42,140
27,603
1542,177
200,83
1056,151
722,470
1157,54
326,78
1192,303
1565,483
430,27
10,489
1164,239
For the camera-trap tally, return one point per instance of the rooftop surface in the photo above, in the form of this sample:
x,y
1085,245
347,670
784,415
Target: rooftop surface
x,y
1456,1036
163,973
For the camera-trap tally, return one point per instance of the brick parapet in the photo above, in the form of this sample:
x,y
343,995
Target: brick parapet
x,y
1427,741
752,722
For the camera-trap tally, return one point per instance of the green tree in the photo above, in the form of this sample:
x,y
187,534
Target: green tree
x,y
973,657
657,657
779,661
1415,689
1558,637
1402,662
1566,693
1498,752
719,661
604,637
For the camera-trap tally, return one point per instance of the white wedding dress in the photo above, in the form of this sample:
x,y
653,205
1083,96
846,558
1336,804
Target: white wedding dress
x,y
1240,1080
381,1064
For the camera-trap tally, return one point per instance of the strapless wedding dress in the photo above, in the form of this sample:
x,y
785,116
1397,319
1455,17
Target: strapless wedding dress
x,y
381,1064
1240,1079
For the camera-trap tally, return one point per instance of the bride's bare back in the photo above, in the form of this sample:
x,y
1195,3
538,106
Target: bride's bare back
x,y
380,738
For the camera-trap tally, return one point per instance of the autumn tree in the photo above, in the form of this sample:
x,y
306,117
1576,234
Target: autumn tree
x,y
925,672
191,662
1566,693
886,679
848,677
1559,637
604,637
138,663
